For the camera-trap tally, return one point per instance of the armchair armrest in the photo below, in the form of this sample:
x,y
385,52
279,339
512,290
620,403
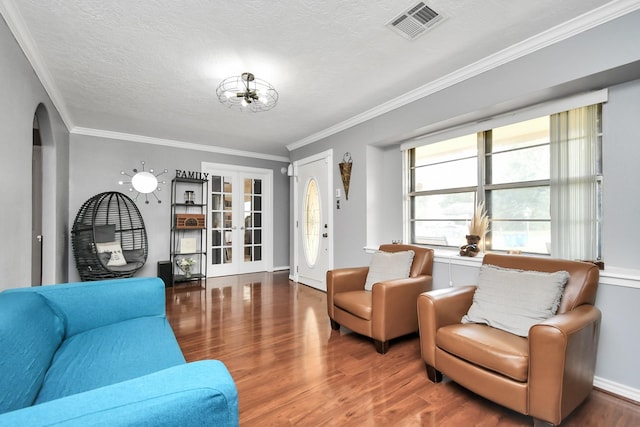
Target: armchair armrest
x,y
390,300
562,352
199,393
89,305
440,308
344,280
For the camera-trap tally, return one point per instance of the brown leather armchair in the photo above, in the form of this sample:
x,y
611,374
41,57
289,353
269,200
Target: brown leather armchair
x,y
545,375
386,312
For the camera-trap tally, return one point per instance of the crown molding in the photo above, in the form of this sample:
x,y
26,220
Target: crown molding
x,y
175,144
575,26
14,20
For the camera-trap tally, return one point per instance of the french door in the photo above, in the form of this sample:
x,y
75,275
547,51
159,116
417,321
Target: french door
x,y
239,219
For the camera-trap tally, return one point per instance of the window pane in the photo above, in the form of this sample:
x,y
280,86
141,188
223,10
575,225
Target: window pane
x,y
520,135
520,203
528,164
456,206
444,233
521,219
527,236
441,219
455,174
451,149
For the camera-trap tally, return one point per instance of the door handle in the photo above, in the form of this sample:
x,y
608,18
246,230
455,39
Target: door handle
x,y
325,234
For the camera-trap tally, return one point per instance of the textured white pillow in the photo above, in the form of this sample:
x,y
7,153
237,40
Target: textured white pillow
x,y
117,258
515,300
387,266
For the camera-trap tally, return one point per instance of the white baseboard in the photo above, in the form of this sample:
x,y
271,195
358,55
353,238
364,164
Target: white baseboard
x,y
617,389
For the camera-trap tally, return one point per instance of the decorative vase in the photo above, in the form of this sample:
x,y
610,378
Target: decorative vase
x,y
471,248
186,269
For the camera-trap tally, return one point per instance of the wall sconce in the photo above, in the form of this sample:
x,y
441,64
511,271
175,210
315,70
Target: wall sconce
x,y
345,172
144,183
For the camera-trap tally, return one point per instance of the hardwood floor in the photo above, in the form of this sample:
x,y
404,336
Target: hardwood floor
x,y
292,369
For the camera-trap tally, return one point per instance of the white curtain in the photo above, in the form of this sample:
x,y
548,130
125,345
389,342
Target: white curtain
x,y
575,183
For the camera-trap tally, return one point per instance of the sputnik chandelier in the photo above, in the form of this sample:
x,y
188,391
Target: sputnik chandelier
x,y
247,93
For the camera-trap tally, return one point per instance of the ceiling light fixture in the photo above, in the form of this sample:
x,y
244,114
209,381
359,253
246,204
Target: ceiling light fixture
x,y
247,93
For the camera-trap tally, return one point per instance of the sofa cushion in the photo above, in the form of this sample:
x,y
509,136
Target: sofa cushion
x,y
357,303
515,300
111,354
388,266
30,333
116,258
491,348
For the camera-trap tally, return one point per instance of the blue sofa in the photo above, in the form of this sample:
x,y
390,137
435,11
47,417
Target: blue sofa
x,y
103,353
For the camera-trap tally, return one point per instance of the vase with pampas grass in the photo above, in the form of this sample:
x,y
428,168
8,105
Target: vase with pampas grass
x,y
478,229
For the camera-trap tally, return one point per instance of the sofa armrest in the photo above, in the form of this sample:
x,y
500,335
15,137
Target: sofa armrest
x,y
89,305
440,308
562,353
200,393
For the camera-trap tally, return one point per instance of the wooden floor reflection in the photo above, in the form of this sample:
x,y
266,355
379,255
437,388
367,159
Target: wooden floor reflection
x,y
292,369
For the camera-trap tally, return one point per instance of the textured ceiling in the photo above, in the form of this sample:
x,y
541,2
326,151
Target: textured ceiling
x,y
150,68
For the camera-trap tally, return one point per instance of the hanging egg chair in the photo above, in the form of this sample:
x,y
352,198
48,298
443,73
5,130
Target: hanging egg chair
x,y
109,238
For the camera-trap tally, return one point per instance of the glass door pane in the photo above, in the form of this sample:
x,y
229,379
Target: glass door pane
x,y
252,219
221,219
311,222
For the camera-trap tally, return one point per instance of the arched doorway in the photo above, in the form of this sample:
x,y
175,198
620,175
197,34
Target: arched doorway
x,y
36,205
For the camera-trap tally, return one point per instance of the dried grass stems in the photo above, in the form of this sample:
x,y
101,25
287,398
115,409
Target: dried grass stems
x,y
479,225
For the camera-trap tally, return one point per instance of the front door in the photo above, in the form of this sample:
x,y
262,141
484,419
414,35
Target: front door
x,y
239,220
313,254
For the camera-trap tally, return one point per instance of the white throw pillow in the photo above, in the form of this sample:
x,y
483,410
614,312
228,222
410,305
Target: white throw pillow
x,y
114,248
515,300
388,266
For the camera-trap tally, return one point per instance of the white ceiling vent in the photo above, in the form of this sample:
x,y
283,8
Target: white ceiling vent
x,y
414,21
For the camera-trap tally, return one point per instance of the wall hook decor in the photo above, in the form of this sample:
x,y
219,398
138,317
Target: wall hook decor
x,y
345,172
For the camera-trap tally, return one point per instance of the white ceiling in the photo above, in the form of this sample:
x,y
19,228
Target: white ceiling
x,y
147,70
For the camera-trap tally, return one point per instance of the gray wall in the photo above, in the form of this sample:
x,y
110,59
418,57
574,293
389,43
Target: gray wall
x,y
604,57
22,95
95,167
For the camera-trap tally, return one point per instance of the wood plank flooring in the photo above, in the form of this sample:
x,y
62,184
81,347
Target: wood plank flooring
x,y
292,369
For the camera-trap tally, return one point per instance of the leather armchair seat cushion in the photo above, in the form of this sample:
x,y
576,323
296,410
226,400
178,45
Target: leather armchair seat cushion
x,y
490,348
357,303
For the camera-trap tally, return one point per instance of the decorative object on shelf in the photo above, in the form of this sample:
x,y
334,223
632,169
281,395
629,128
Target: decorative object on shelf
x,y
190,221
144,183
247,93
471,248
185,265
478,229
190,197
345,172
188,245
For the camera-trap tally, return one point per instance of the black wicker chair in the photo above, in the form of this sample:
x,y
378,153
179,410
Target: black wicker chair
x,y
109,238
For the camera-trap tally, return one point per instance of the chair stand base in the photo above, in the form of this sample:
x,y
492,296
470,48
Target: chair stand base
x,y
381,346
334,325
433,374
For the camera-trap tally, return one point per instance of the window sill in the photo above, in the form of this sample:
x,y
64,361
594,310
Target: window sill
x,y
613,276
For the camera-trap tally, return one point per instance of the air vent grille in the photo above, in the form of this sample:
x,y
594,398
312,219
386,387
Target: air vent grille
x,y
414,21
